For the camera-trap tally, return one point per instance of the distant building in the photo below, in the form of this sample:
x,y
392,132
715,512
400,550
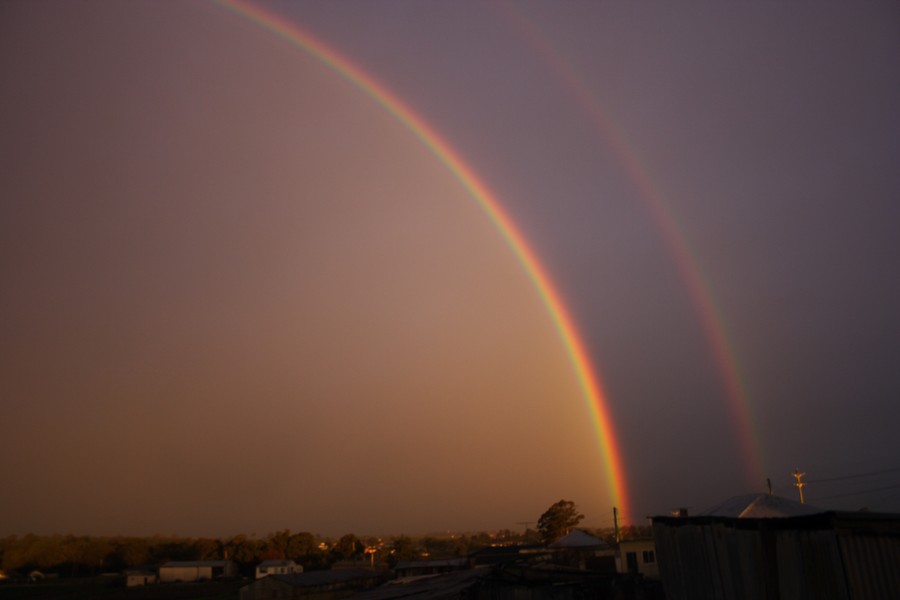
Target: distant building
x,y
140,577
277,567
197,570
756,547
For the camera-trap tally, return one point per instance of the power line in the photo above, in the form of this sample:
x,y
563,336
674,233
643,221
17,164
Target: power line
x,y
857,476
872,491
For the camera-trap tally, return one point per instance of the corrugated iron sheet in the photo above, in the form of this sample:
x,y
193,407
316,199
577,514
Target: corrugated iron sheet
x,y
830,556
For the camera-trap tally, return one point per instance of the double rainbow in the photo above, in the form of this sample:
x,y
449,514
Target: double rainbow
x,y
588,381
689,271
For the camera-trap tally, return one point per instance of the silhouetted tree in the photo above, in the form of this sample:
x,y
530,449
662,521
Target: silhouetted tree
x,y
242,549
348,547
558,520
277,544
403,548
134,551
206,549
304,548
449,547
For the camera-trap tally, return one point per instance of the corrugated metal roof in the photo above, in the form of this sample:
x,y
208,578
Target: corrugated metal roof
x,y
578,539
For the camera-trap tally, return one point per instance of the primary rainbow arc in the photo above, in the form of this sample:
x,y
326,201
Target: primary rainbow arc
x,y
588,380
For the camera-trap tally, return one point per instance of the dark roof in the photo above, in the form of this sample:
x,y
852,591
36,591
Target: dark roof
x,y
429,587
492,555
856,521
422,564
197,563
316,578
579,539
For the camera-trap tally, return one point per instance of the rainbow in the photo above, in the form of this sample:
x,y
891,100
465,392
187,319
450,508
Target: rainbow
x,y
588,380
699,289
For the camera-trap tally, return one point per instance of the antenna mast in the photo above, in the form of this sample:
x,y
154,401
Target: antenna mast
x,y
616,523
799,485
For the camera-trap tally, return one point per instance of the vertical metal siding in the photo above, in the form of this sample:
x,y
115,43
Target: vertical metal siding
x,y
831,556
872,565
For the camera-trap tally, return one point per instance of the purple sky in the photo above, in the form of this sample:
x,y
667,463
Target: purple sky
x,y
238,296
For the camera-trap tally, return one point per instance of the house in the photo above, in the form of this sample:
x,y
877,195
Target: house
x,y
139,577
756,547
581,550
277,567
638,557
197,570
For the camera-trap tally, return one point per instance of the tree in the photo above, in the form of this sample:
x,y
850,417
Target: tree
x,y
403,548
558,520
242,549
301,546
348,547
276,545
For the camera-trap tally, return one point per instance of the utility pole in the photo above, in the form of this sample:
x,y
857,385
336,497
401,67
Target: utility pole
x,y
616,523
799,485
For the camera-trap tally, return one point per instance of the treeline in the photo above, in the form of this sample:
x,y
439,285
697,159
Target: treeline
x,y
76,556
70,555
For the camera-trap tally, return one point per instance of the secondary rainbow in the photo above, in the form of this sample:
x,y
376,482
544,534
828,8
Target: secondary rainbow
x,y
686,263
588,380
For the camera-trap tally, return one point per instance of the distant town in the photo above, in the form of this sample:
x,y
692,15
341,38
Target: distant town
x,y
752,546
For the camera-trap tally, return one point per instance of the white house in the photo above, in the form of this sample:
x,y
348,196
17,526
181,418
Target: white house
x,y
638,557
277,567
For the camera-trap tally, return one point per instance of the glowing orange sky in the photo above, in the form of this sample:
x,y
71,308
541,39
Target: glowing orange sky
x,y
262,304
